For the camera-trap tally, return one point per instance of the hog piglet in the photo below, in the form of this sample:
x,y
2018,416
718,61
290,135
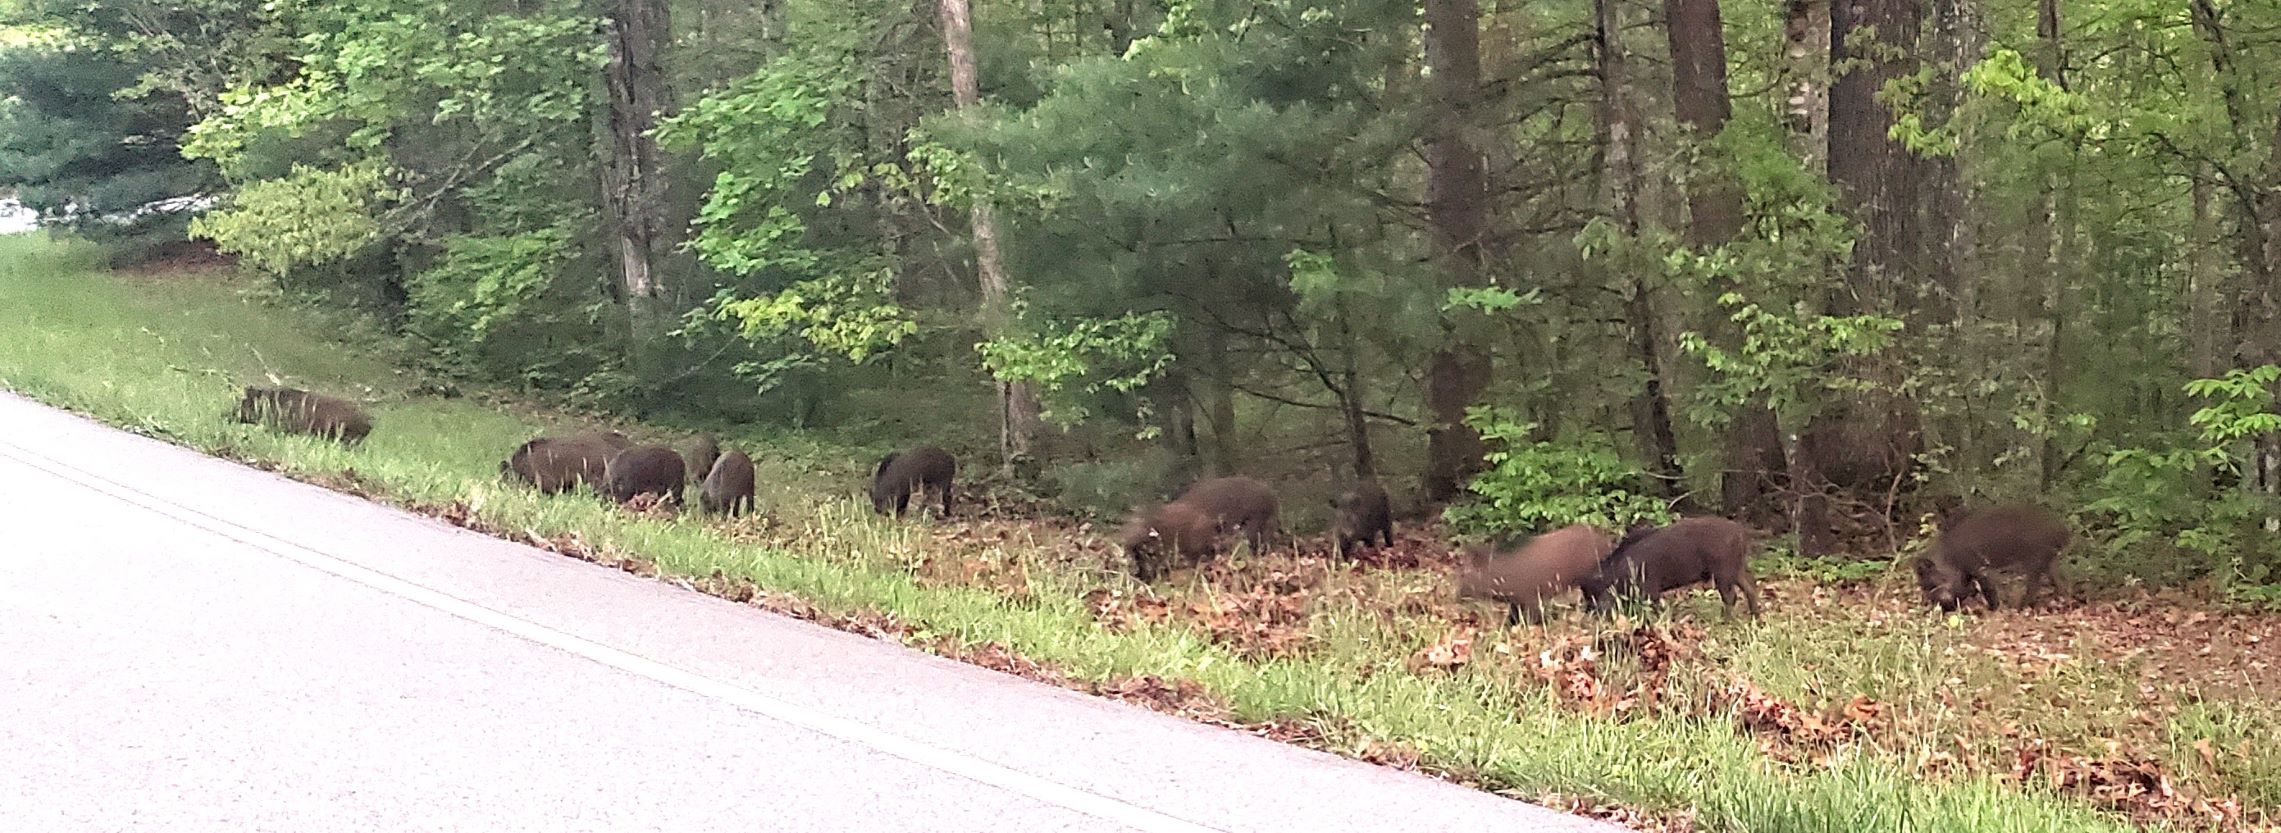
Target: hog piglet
x,y
728,487
703,452
645,470
902,474
1524,578
1192,524
559,464
1364,515
1650,563
297,411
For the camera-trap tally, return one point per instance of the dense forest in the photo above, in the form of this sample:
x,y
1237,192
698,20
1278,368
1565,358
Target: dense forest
x,y
1825,266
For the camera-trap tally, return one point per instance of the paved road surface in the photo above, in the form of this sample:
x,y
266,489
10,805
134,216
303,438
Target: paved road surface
x,y
191,645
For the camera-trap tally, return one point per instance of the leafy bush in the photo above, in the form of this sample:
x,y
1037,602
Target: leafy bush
x,y
1108,489
509,308
1531,487
309,217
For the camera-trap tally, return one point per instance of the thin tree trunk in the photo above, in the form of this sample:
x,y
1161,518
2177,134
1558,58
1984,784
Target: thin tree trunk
x,y
1018,410
2044,247
1351,401
1457,203
634,181
2203,276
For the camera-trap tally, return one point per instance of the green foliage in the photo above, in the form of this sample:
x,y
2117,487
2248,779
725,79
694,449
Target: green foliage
x,y
1788,361
771,135
2241,408
86,153
1821,569
1070,363
848,318
305,218
1533,487
508,308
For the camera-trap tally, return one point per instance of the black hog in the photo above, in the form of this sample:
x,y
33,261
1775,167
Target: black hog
x,y
298,411
1542,568
559,464
728,486
703,452
1651,562
903,474
1201,514
1364,515
645,470
2016,537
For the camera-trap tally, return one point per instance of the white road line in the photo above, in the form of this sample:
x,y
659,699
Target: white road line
x,y
964,766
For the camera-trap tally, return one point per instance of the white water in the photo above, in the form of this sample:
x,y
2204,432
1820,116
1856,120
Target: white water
x,y
15,218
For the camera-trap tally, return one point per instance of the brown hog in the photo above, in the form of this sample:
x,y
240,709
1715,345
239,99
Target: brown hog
x,y
1364,514
2018,537
645,470
1649,563
559,464
703,452
1202,513
1179,530
915,471
298,411
1540,569
728,486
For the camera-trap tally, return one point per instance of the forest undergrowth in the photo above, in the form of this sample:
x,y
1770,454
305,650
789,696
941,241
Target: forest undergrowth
x,y
1848,706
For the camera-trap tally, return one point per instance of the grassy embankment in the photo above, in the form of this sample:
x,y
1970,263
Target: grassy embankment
x,y
1843,710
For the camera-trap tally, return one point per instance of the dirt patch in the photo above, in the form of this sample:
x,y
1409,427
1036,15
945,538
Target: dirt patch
x,y
177,259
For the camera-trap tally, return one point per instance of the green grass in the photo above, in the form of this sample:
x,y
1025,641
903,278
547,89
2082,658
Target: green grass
x,y
164,356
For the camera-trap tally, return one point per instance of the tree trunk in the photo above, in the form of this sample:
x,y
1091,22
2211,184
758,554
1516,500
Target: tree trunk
x,y
2045,251
1876,42
1945,187
1696,34
1351,400
1879,187
1620,166
634,180
1018,411
1457,204
1219,400
2203,275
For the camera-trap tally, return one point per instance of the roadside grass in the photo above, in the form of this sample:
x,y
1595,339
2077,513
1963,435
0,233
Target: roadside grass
x,y
1729,727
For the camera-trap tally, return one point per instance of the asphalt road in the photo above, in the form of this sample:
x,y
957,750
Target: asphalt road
x,y
187,644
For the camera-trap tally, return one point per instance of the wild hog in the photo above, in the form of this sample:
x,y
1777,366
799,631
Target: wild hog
x,y
904,473
2018,537
1522,579
1364,514
1649,563
1206,510
559,464
645,470
1155,537
703,451
728,486
298,411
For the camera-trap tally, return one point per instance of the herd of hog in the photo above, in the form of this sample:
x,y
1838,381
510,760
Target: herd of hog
x,y
1641,565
